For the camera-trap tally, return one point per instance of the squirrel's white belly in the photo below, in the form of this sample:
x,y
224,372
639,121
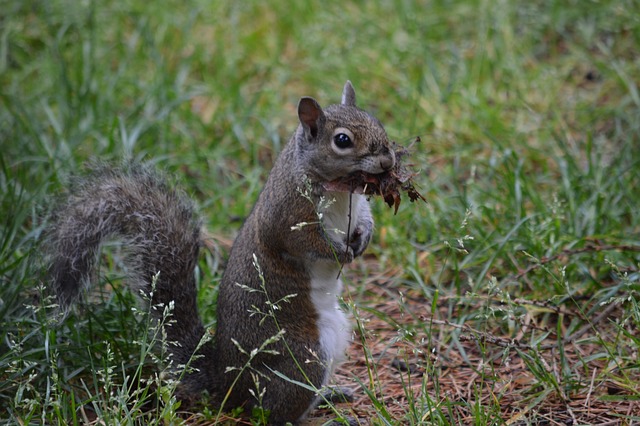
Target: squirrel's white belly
x,y
336,217
326,287
333,325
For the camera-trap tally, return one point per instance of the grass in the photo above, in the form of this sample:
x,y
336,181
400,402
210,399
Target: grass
x,y
512,297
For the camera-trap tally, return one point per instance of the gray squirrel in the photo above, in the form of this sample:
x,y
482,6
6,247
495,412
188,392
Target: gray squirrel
x,y
290,249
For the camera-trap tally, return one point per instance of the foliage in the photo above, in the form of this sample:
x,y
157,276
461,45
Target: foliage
x,y
511,297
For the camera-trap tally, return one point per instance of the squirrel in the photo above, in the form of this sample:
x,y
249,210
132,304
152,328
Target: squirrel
x,y
287,255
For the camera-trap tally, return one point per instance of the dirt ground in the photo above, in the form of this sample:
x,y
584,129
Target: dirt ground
x,y
497,373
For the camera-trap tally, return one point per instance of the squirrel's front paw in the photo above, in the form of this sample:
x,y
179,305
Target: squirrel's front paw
x,y
344,253
359,240
348,249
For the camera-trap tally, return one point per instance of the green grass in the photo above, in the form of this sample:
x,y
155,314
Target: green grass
x,y
529,119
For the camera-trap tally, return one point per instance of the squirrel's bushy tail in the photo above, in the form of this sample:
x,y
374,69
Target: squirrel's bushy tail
x,y
160,233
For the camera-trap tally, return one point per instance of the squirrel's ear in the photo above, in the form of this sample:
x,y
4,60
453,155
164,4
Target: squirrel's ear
x,y
310,115
348,94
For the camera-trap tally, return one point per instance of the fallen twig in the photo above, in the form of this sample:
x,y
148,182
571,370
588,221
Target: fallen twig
x,y
479,336
571,252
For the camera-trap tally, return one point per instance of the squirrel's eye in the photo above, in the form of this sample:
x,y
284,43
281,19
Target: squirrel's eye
x,y
342,141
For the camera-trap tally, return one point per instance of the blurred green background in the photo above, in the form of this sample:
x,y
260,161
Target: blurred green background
x,y
528,114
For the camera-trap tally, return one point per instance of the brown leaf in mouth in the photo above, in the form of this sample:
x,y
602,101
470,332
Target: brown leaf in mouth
x,y
388,184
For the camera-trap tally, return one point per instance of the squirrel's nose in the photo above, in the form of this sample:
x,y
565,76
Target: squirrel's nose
x,y
388,162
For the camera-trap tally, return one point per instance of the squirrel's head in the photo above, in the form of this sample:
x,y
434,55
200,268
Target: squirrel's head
x,y
342,139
